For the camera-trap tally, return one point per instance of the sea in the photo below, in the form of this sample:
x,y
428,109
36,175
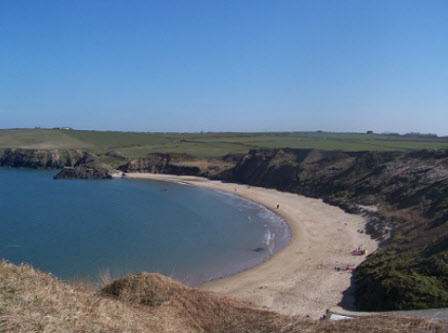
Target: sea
x,y
92,230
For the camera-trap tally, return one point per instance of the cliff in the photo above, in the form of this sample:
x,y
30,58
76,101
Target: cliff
x,y
160,163
39,158
75,164
180,164
84,172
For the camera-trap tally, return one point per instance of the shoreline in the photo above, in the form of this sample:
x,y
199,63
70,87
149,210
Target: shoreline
x,y
298,279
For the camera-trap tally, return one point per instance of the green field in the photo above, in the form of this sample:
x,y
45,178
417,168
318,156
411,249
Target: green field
x,y
207,145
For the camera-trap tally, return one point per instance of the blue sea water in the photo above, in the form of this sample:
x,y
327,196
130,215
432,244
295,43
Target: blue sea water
x,y
78,229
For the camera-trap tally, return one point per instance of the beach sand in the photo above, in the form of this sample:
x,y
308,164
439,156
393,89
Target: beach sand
x,y
300,279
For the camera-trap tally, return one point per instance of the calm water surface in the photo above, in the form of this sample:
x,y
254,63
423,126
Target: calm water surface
x,y
81,229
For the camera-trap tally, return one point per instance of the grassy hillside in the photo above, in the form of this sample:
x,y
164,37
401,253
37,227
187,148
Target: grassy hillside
x,y
206,145
31,301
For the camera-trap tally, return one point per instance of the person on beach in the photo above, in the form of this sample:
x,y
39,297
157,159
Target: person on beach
x,y
278,206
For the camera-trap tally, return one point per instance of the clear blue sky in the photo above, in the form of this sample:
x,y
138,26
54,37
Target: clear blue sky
x,y
220,65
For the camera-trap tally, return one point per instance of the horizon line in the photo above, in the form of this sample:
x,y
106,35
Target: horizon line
x,y
368,132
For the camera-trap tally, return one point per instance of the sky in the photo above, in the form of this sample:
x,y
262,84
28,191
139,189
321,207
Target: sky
x,y
215,65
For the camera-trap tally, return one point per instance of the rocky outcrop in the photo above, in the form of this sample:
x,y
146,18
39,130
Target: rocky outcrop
x,y
84,172
75,164
52,159
160,163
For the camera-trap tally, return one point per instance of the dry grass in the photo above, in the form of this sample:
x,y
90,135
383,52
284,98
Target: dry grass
x,y
31,301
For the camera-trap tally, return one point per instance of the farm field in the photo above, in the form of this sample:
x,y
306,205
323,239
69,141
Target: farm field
x,y
209,145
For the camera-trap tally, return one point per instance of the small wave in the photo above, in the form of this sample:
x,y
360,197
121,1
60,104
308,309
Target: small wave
x,y
180,182
269,239
268,236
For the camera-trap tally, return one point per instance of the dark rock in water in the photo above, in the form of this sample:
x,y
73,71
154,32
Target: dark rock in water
x,y
259,249
84,172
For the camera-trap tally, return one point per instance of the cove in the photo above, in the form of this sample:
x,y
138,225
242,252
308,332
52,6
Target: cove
x,y
77,229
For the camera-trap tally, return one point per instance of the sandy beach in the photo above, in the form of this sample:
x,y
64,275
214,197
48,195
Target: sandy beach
x,y
300,279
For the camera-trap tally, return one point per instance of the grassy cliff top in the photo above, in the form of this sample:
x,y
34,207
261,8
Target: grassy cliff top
x,y
135,144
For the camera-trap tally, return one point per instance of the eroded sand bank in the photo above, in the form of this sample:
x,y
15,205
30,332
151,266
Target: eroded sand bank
x,y
299,279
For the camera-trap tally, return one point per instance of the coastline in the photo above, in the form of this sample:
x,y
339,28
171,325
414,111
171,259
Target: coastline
x,y
300,278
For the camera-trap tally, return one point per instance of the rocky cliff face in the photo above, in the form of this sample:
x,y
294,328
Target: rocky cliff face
x,y
53,159
84,172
